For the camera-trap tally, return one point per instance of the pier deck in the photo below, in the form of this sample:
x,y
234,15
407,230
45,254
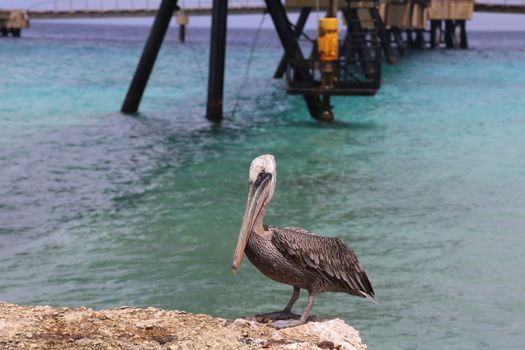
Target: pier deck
x,y
500,7
81,9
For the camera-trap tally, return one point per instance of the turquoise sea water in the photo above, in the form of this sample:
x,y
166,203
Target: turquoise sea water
x,y
426,180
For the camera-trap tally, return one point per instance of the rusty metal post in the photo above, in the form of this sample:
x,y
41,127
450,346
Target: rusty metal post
x,y
435,34
182,33
464,39
149,55
182,20
383,36
449,33
214,107
420,39
401,46
295,55
299,26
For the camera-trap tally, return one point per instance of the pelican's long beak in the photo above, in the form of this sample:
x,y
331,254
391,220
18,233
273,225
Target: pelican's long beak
x,y
257,196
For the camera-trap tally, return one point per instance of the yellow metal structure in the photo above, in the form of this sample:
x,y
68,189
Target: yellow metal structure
x,y
328,39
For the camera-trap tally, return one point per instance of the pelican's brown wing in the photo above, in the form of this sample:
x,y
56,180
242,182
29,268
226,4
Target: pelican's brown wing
x,y
331,258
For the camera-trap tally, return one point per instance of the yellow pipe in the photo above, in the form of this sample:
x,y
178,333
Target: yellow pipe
x,y
327,39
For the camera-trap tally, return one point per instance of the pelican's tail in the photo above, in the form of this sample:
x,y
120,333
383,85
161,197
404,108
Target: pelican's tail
x,y
368,296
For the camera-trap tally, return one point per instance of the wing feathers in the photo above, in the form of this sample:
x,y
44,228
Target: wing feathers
x,y
331,258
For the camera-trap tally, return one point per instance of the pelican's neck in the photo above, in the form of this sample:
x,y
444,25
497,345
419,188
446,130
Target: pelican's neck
x,y
258,224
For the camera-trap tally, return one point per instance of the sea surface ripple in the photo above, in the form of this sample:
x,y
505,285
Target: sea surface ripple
x,y
426,180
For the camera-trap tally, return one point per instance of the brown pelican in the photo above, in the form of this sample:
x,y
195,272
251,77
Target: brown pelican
x,y
292,255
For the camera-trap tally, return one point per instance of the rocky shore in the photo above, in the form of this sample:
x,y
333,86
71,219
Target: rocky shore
x,y
45,327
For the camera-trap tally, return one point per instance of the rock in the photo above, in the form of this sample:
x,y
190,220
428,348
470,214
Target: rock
x,y
146,324
152,328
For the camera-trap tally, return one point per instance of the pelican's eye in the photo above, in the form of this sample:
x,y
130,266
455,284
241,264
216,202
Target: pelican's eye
x,y
261,177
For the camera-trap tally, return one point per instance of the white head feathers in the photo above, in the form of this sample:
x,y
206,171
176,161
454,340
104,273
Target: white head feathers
x,y
265,162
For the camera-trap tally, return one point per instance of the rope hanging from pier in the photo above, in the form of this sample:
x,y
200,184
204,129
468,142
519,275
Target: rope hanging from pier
x,y
197,62
248,64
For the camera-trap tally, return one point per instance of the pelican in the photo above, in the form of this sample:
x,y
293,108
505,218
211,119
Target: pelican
x,y
292,255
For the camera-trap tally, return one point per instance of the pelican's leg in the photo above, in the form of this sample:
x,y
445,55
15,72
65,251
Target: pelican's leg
x,y
286,313
293,299
292,323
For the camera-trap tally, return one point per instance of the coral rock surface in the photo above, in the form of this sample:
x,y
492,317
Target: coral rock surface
x,y
46,327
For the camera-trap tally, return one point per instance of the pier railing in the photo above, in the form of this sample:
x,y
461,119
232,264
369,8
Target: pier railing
x,y
131,5
502,2
130,8
501,6
107,8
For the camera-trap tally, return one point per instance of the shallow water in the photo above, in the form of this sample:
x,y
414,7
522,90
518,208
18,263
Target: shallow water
x,y
426,180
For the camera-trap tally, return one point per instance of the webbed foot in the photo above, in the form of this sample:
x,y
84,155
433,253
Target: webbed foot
x,y
274,316
280,324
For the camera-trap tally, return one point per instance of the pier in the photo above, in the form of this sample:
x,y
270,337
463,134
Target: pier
x,y
12,22
503,6
56,9
337,64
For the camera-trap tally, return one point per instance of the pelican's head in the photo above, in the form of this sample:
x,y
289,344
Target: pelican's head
x,y
262,177
263,172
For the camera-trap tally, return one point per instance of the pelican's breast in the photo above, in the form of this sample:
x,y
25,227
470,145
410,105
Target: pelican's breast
x,y
266,258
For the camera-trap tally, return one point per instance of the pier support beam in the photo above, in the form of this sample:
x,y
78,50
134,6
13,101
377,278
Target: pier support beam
x,y
182,21
449,34
420,40
401,46
463,35
182,33
410,39
214,107
299,26
149,55
359,41
384,36
435,33
295,56
16,32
